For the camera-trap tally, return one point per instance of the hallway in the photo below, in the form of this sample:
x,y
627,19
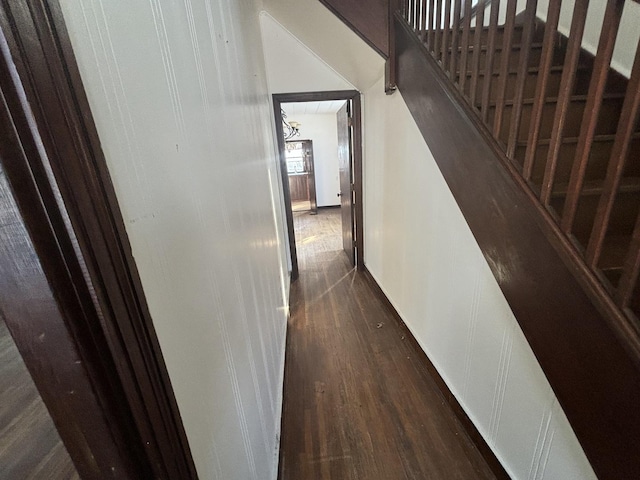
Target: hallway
x,y
358,402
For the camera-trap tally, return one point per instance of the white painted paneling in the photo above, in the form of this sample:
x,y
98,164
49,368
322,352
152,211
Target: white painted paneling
x,y
423,255
329,38
179,95
628,34
323,130
292,66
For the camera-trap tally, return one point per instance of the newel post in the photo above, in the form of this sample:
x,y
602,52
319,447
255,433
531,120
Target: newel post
x,y
390,65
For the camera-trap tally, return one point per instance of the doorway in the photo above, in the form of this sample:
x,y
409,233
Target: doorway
x,y
302,178
347,196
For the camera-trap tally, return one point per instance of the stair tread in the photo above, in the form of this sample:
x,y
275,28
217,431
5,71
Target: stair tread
x,y
574,98
569,140
614,252
594,187
498,48
514,71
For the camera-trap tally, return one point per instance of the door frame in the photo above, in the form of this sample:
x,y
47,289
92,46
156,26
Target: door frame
x,y
354,96
131,425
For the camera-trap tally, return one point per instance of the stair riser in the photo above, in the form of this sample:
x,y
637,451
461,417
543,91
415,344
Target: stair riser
x,y
609,109
514,59
596,169
623,216
516,37
553,85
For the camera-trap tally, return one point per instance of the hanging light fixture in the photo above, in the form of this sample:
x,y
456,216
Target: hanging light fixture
x,y
290,129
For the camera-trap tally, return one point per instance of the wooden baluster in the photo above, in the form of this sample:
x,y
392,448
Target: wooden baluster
x,y
613,14
617,162
466,21
631,268
425,27
414,4
445,35
523,66
546,59
457,7
564,97
438,29
430,36
475,62
504,66
488,64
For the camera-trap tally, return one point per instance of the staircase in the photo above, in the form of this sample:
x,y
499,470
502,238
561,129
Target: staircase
x,y
525,87
540,144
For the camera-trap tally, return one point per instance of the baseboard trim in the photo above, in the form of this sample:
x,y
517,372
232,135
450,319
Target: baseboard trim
x,y
469,427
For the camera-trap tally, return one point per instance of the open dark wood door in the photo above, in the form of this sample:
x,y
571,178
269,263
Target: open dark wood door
x,y
307,147
345,162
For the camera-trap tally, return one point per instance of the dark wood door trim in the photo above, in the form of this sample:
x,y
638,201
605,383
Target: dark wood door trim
x,y
345,170
354,96
60,180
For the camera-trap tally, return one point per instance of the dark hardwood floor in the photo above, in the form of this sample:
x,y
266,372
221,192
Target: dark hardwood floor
x,y
30,447
358,403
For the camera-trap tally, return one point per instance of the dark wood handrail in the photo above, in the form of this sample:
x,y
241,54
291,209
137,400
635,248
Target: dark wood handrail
x,y
507,82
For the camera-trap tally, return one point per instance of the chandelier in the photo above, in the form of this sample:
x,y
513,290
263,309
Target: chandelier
x,y
290,129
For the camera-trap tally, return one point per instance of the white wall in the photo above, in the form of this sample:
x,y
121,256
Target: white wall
x,y
323,130
178,92
424,256
328,38
292,66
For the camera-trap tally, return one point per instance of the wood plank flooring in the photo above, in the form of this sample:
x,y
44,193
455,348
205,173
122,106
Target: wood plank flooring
x,y
358,403
30,447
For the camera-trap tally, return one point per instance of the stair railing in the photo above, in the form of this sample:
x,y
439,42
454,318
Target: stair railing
x,y
565,118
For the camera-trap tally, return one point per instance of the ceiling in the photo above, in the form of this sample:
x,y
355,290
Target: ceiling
x,y
306,108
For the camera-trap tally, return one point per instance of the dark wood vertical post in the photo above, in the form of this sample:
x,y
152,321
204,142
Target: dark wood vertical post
x,y
423,21
430,27
466,21
390,64
504,67
597,86
564,97
446,47
438,29
523,65
455,37
488,66
619,153
548,45
475,62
